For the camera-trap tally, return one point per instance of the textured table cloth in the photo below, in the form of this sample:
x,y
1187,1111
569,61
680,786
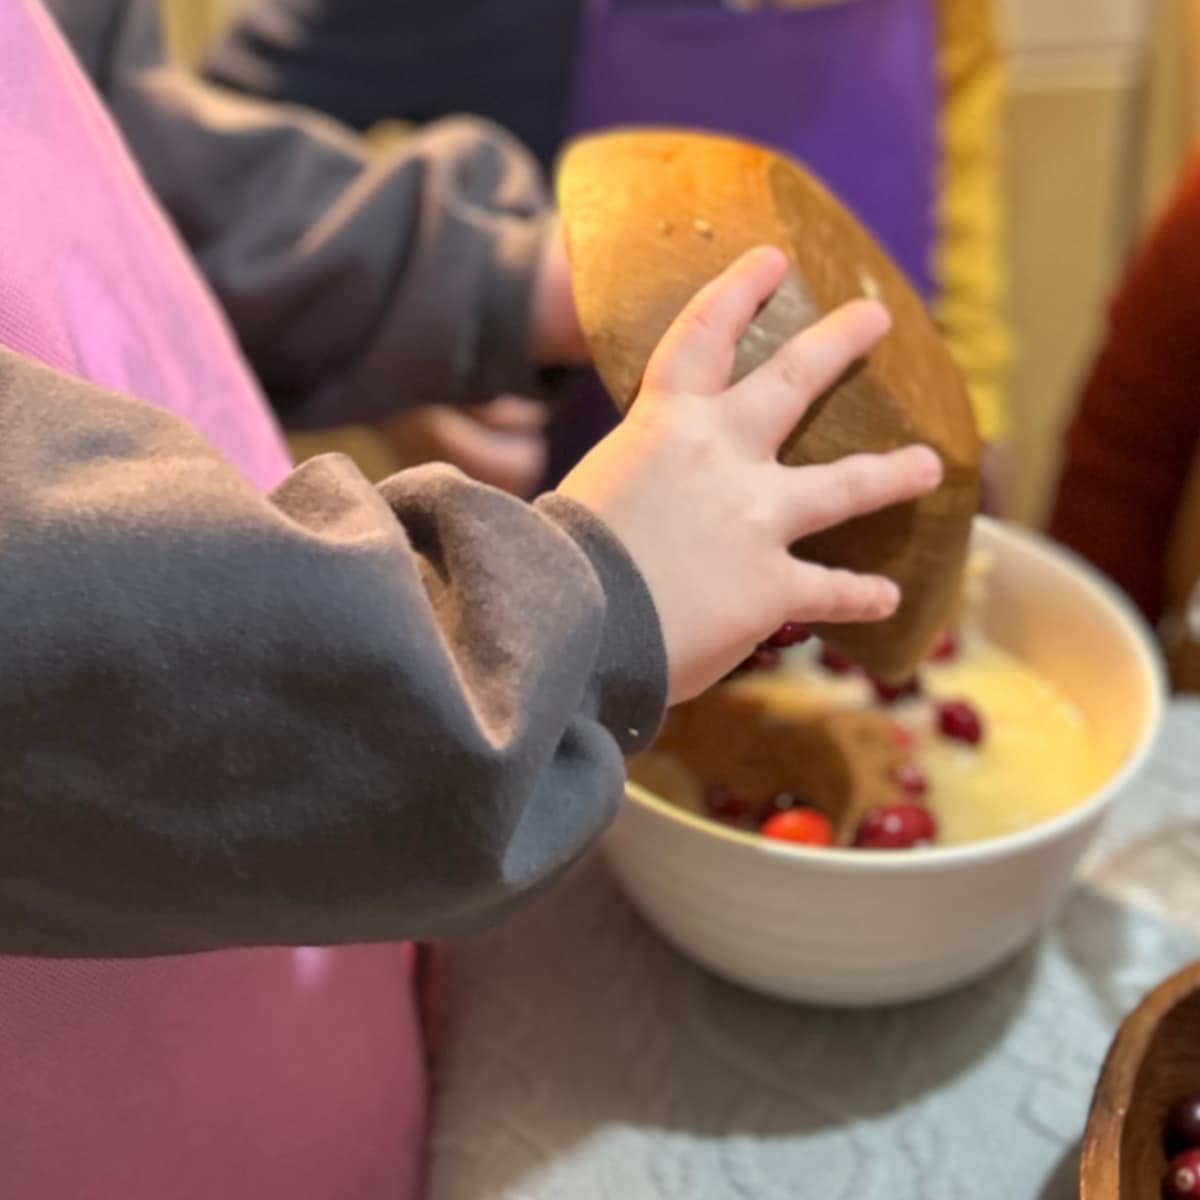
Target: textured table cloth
x,y
583,1058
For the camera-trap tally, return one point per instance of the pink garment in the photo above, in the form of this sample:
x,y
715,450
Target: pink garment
x,y
244,1075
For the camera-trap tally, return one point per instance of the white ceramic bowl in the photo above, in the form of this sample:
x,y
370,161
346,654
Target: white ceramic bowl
x,y
848,928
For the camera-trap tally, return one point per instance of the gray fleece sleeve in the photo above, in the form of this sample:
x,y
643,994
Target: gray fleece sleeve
x,y
332,714
342,272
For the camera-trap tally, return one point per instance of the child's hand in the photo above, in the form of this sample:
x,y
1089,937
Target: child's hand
x,y
501,443
691,484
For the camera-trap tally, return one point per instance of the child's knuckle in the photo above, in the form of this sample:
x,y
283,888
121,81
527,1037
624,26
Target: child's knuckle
x,y
794,373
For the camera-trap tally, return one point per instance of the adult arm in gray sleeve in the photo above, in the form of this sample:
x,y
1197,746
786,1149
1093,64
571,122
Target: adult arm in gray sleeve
x,y
331,714
342,272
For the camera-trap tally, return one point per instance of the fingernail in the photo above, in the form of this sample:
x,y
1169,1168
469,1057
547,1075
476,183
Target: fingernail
x,y
887,315
891,595
932,470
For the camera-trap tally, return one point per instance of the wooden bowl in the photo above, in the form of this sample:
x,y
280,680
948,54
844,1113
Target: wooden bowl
x,y
1153,1062
843,763
650,216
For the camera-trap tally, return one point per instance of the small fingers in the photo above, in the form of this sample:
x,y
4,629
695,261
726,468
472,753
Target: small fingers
x,y
510,414
827,495
696,354
830,595
777,394
510,460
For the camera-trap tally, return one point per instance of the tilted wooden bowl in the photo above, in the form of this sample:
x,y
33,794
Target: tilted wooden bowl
x,y
1153,1062
651,216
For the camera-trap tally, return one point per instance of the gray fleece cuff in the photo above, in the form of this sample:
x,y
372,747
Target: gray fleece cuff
x,y
632,675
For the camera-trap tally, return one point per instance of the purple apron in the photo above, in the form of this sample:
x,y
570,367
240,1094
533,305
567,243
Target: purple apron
x,y
848,88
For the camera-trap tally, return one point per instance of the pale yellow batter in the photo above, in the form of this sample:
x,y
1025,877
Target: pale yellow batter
x,y
1037,757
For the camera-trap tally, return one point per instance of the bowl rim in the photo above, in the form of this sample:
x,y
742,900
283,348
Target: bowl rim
x,y
841,859
1103,1150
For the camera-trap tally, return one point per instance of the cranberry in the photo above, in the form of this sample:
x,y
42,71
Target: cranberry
x,y
733,808
959,721
892,693
911,778
895,827
835,663
902,738
787,635
1182,1179
946,649
803,826
1181,1130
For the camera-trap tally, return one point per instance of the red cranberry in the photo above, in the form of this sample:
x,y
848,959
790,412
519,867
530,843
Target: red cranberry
x,y
946,649
787,635
733,808
911,778
802,826
1182,1180
959,721
892,693
895,827
835,663
1181,1129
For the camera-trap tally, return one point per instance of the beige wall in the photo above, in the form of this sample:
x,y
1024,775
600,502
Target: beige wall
x,y
1102,105
1076,78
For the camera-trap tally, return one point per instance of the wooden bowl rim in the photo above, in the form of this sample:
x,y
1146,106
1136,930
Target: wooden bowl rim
x,y
1100,1160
